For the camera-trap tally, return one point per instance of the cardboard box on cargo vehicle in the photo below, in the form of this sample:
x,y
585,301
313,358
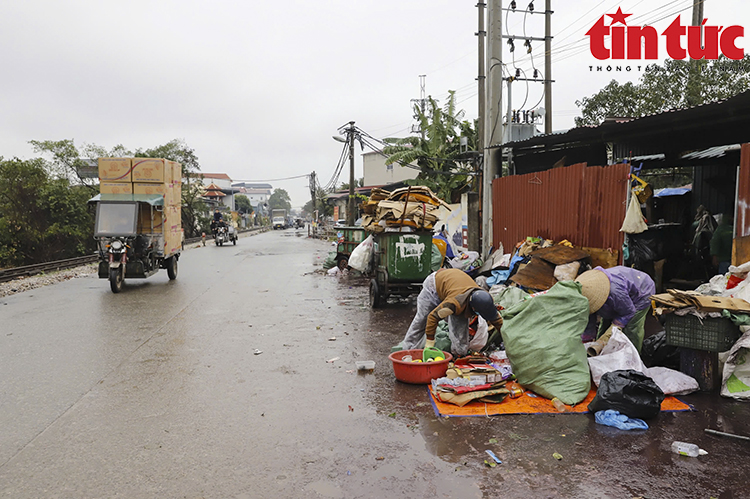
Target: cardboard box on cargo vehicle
x,y
115,169
116,187
150,170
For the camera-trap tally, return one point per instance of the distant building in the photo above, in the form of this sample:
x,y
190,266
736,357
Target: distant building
x,y
258,194
377,172
219,189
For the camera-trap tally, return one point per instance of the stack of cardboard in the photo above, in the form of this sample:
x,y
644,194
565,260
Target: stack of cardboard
x,y
414,206
675,299
148,176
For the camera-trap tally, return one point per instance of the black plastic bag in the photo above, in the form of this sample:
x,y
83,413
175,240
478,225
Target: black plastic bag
x,y
629,392
656,352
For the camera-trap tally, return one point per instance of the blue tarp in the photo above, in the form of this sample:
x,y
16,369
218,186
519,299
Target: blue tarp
x,y
672,191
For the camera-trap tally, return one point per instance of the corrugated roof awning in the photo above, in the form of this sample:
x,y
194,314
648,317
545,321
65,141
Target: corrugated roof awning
x,y
152,199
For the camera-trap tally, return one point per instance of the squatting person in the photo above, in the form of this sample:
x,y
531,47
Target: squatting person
x,y
452,295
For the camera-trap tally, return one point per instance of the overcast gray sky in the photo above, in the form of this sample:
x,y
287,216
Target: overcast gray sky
x,y
258,88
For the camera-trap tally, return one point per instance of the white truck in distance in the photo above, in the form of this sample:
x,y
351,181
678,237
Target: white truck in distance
x,y
278,219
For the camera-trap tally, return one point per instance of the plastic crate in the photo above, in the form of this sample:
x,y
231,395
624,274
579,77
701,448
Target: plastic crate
x,y
712,335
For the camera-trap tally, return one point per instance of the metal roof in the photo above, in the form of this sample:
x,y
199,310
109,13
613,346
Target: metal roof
x,y
712,152
152,199
608,131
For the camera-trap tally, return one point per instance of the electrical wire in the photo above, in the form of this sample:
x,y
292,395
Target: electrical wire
x,y
271,179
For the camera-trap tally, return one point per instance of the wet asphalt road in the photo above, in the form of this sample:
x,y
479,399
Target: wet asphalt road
x,y
156,392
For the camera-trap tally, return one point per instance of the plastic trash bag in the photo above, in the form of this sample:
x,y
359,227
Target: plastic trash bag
x,y
479,340
656,352
629,392
567,271
621,421
361,255
634,222
735,382
620,354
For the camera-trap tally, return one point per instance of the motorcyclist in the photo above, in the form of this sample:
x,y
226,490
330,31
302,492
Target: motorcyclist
x,y
215,222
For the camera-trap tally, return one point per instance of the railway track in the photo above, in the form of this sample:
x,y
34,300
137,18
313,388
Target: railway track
x,y
39,268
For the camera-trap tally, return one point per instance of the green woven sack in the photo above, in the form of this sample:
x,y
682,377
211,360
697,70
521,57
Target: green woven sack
x,y
542,337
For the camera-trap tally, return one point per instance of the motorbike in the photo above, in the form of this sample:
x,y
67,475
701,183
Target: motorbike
x,y
221,236
225,234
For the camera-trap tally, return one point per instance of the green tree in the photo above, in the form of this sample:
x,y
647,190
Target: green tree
x,y
42,218
437,151
676,85
242,204
360,182
279,200
66,161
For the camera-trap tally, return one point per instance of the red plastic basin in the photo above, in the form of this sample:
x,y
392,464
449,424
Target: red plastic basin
x,y
418,373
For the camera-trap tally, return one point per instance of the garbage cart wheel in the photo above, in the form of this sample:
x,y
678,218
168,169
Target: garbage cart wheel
x,y
234,241
115,279
376,298
172,268
343,263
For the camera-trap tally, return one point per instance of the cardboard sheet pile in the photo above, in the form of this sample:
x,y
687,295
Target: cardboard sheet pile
x,y
414,206
675,299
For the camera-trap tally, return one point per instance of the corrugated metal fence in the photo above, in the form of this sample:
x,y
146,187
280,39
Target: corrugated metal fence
x,y
583,204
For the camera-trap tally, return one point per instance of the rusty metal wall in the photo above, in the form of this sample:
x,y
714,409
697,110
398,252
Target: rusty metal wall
x,y
583,204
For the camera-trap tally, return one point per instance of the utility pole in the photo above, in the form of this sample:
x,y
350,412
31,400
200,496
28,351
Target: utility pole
x,y
493,124
351,207
548,66
313,188
693,87
474,217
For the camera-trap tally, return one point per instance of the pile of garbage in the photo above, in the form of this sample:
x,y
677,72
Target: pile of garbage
x,y
415,207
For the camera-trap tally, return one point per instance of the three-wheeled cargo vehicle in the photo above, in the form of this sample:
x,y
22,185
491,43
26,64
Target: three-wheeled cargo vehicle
x,y
136,236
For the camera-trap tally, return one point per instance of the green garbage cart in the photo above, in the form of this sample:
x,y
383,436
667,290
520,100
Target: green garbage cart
x,y
348,238
401,262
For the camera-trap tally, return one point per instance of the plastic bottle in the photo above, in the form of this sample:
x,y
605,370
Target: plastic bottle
x,y
686,449
558,405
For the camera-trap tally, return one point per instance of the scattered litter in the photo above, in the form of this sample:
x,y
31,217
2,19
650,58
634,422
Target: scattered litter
x,y
493,441
493,456
491,464
351,409
331,361
723,434
350,371
348,472
392,415
317,327
257,352
557,456
611,417
332,338
380,458
365,365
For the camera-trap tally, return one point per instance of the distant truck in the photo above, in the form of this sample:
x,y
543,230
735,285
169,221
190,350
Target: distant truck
x,y
278,219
